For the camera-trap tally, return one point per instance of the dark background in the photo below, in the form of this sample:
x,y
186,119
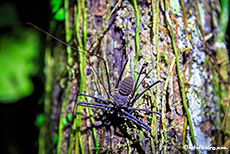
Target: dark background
x,y
18,133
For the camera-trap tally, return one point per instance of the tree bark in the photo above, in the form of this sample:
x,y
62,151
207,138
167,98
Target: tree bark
x,y
172,39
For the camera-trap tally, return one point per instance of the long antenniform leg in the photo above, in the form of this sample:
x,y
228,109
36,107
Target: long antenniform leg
x,y
106,69
103,100
87,57
96,105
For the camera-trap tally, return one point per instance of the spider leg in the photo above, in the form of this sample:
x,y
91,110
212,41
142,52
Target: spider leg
x,y
131,108
95,105
145,127
138,96
136,87
117,84
99,107
107,75
103,100
143,80
106,69
139,74
135,120
87,57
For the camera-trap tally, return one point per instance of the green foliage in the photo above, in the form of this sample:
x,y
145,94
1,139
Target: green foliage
x,y
39,120
18,52
64,121
55,139
69,117
223,21
57,9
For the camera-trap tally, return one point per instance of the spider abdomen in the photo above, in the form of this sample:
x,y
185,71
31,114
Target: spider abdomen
x,y
126,86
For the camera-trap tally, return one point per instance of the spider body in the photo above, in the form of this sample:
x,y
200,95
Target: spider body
x,y
121,96
124,92
119,102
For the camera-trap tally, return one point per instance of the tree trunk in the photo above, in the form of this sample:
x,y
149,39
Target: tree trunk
x,y
172,39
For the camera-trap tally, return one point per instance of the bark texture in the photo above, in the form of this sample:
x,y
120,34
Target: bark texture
x,y
170,37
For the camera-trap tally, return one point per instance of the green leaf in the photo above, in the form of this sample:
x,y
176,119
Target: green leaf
x,y
60,15
55,139
64,121
69,117
19,49
57,9
39,120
